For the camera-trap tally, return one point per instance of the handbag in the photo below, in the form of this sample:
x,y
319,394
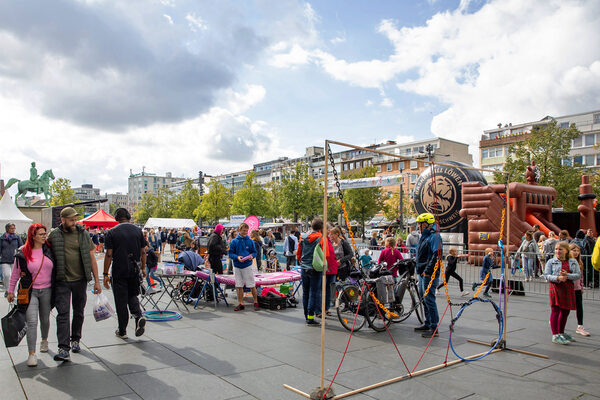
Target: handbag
x,y
23,294
14,327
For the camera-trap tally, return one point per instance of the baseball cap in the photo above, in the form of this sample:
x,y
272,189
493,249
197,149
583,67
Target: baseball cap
x,y
68,212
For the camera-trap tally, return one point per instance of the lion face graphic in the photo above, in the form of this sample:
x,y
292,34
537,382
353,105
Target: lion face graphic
x,y
445,195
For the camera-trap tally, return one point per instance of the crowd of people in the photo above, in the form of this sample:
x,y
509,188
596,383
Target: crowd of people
x,y
54,268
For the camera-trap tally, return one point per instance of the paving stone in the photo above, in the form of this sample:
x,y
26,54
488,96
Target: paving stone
x,y
136,357
129,396
9,382
184,382
67,381
46,360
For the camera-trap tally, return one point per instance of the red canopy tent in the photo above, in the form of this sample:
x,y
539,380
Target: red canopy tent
x,y
99,219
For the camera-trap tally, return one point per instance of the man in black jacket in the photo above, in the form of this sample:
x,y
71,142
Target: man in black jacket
x,y
9,243
125,248
216,250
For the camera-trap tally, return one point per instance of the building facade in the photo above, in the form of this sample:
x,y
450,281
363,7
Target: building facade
x,y
88,192
494,144
145,182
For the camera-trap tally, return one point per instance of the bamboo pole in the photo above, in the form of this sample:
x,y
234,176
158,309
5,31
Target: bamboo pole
x,y
324,276
404,158
301,393
529,353
506,259
404,377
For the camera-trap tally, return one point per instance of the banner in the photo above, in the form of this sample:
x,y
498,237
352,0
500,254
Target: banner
x,y
376,181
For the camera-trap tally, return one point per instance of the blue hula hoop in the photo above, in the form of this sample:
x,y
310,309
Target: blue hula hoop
x,y
499,313
161,316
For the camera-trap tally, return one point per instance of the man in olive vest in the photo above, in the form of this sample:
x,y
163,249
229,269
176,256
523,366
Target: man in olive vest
x,y
75,264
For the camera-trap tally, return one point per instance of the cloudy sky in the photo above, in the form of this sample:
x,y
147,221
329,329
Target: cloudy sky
x,y
94,88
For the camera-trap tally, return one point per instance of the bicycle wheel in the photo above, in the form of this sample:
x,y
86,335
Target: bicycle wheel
x,y
403,306
376,317
417,304
346,304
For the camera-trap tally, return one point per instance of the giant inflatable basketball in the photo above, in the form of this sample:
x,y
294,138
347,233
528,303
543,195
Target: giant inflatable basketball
x,y
447,202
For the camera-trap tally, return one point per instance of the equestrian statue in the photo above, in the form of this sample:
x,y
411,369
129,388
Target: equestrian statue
x,y
36,184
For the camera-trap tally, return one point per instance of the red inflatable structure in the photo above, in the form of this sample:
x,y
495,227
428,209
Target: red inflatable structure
x,y
482,206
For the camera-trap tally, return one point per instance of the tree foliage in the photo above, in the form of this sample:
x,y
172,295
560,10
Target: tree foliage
x,y
391,207
549,147
215,204
362,204
62,193
185,202
250,199
299,194
157,205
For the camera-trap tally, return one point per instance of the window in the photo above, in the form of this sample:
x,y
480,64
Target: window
x,y
564,125
413,178
408,151
578,160
597,159
389,166
589,139
568,162
597,118
351,166
345,167
590,160
578,142
413,165
379,168
484,153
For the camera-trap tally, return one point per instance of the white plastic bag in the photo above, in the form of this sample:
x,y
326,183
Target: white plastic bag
x,y
102,309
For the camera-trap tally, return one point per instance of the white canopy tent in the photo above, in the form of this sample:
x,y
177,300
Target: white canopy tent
x,y
10,213
176,223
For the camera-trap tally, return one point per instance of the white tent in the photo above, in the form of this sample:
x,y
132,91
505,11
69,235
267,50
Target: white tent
x,y
176,223
10,213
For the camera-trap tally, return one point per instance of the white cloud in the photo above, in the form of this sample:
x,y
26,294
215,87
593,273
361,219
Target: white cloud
x,y
368,103
195,22
386,102
404,139
493,64
168,18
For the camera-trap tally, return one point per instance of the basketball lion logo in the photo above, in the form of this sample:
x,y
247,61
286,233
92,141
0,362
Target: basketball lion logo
x,y
445,195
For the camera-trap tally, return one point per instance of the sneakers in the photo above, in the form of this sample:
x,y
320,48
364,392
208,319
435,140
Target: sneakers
x,y
568,337
44,346
486,294
312,322
559,339
140,324
422,328
474,286
123,336
465,293
239,307
62,355
75,348
430,333
32,360
256,307
581,330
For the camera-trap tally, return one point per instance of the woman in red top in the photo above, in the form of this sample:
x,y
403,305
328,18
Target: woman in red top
x,y
390,255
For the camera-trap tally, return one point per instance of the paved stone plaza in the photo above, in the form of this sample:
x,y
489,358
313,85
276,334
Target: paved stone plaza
x,y
250,355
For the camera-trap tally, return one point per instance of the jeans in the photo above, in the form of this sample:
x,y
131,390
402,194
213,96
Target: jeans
x,y
329,288
311,291
39,304
151,273
290,261
432,317
68,293
6,272
528,266
126,291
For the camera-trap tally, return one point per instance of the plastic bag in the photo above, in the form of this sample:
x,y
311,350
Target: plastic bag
x,y
102,309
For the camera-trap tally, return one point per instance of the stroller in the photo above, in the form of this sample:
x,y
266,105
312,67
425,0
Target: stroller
x,y
272,261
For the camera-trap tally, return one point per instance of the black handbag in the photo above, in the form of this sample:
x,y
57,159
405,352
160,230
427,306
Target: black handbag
x,y
14,327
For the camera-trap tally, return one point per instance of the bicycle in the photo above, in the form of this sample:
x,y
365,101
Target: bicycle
x,y
406,291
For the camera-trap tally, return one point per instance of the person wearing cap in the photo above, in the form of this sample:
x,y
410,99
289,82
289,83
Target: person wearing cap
x,y
216,249
126,251
75,264
427,256
9,243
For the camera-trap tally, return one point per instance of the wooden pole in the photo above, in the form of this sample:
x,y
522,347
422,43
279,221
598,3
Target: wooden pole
x,y
529,353
324,275
301,393
506,259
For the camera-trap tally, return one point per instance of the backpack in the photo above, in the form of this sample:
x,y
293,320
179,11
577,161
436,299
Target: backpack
x,y
318,263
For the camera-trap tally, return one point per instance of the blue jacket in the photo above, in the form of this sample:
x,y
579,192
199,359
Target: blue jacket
x,y
8,248
554,266
427,250
488,264
241,246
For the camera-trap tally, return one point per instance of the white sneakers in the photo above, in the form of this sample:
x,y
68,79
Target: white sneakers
x,y
581,330
465,293
32,360
44,346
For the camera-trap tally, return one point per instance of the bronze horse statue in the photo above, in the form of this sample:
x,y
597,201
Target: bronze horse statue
x,y
42,185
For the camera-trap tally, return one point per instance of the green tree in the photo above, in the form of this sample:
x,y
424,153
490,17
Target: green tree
x,y
362,204
112,207
157,205
185,203
391,207
250,199
62,193
549,147
215,204
300,194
